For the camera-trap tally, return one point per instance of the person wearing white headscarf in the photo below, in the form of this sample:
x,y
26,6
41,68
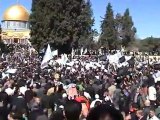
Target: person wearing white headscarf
x,y
96,100
152,94
9,91
23,90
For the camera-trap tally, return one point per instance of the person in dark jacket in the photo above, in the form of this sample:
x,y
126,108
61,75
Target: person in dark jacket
x,y
140,115
57,115
72,110
37,112
18,103
89,89
104,112
147,108
3,106
37,115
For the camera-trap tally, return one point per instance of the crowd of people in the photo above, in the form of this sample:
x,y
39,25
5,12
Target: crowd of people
x,y
84,88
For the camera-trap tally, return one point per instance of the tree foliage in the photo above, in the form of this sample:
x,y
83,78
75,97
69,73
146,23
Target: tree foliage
x,y
108,31
3,47
0,33
61,22
87,22
118,27
150,44
128,29
117,31
37,20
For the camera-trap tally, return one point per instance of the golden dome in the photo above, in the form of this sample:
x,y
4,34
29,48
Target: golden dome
x,y
16,13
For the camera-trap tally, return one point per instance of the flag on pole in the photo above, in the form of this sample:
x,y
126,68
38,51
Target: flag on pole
x,y
2,56
12,71
85,51
73,53
64,59
82,51
48,56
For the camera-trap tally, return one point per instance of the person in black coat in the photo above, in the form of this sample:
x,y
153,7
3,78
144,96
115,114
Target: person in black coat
x,y
3,106
37,114
89,89
140,115
104,112
18,103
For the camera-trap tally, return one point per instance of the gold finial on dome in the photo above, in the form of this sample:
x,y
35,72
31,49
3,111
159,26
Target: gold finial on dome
x,y
16,13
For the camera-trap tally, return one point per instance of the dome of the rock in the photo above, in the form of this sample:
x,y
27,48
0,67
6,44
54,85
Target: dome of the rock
x,y
16,13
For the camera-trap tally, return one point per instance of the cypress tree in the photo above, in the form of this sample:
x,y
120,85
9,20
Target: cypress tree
x,y
128,29
118,27
86,22
37,20
61,22
54,21
108,34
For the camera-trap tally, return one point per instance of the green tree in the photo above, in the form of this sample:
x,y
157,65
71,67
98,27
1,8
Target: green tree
x,y
150,44
37,23
60,22
0,33
108,34
2,45
87,21
65,24
128,29
118,27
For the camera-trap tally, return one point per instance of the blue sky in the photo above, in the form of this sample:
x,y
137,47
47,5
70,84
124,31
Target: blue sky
x,y
145,13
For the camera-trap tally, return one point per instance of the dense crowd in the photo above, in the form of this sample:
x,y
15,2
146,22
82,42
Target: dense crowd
x,y
83,88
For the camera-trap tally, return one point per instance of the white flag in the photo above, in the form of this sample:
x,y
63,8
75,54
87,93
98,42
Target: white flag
x,y
156,76
31,50
12,71
5,75
2,55
85,51
82,51
54,53
73,53
46,58
64,59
